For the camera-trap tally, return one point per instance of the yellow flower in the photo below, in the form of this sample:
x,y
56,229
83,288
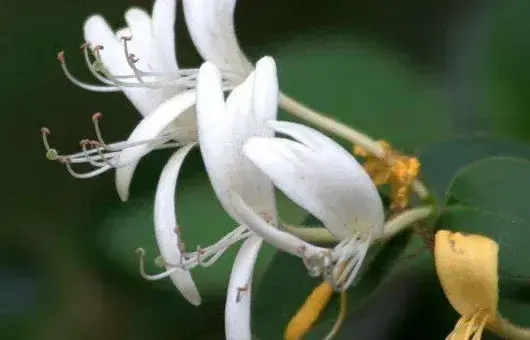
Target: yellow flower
x,y
467,266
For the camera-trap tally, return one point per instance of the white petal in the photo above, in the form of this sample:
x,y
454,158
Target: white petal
x,y
280,239
265,96
211,26
98,32
238,297
166,224
335,190
142,42
150,127
164,12
223,130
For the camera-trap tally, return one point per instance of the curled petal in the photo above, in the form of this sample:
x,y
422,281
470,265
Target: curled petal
x,y
164,12
224,128
166,225
321,178
238,297
211,26
150,127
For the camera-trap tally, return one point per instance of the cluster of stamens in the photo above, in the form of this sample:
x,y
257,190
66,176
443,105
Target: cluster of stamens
x,y
180,78
202,257
340,265
100,155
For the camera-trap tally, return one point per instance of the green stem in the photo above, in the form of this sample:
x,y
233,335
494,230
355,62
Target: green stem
x,y
342,130
391,228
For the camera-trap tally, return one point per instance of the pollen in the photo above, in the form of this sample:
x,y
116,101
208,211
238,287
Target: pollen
x,y
309,312
394,168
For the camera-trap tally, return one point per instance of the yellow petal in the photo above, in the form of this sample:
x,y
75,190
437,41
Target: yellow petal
x,y
467,269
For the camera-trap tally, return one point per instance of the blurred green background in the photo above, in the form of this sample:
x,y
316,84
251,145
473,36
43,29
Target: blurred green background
x,y
413,72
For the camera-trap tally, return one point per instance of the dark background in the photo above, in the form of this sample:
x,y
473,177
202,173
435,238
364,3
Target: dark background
x,y
411,71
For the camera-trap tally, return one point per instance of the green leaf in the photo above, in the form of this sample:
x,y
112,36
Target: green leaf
x,y
367,87
441,161
500,72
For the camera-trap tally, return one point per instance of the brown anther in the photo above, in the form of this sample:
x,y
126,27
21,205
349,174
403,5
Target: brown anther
x,y
84,142
266,216
85,45
241,290
45,131
64,160
177,230
126,38
98,48
97,116
94,143
60,57
133,58
301,249
201,251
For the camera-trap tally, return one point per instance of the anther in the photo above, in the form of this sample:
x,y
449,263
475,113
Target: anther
x,y
97,116
133,58
126,38
60,57
63,159
241,290
85,45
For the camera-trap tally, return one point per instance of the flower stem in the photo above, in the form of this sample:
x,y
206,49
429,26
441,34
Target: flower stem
x,y
342,130
391,228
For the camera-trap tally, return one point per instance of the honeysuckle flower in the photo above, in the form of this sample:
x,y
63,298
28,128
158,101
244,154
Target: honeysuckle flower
x,y
224,127
223,130
145,48
323,178
139,60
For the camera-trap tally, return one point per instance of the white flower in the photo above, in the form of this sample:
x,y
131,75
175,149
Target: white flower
x,y
223,130
140,61
327,181
224,127
152,45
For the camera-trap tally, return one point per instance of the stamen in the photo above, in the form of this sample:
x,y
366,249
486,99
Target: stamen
x,y
240,290
90,87
131,59
92,65
340,317
51,154
141,253
83,143
207,256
